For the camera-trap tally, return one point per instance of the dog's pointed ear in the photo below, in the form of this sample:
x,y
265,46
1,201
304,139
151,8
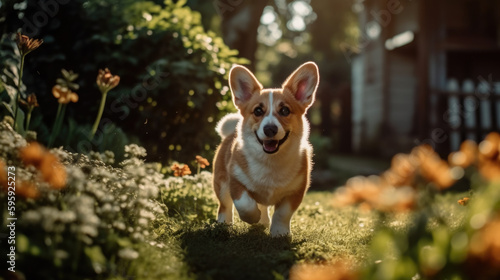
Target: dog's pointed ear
x,y
243,85
303,83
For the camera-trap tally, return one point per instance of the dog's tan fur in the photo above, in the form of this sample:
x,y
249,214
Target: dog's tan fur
x,y
265,159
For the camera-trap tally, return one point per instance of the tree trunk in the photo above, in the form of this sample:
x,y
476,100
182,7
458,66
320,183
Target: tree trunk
x,y
240,21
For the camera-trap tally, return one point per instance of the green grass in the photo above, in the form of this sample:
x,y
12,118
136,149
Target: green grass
x,y
208,250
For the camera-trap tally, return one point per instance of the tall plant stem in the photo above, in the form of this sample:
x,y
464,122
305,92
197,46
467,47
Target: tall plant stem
x,y
28,118
20,80
61,119
54,127
99,115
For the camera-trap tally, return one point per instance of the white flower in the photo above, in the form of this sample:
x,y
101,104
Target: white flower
x,y
128,253
134,150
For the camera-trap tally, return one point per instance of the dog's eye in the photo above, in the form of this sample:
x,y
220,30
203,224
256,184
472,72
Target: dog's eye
x,y
284,111
258,111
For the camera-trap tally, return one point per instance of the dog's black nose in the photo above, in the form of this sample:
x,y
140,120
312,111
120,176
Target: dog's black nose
x,y
270,130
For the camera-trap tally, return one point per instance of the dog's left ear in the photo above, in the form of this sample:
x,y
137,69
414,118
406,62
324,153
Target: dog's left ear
x,y
243,84
303,83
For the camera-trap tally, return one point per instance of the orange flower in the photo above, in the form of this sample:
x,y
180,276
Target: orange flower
x,y
485,244
464,201
439,172
358,189
64,95
337,270
106,81
422,153
489,157
392,192
364,189
459,159
436,170
27,190
180,171
23,189
344,197
397,200
490,170
27,44
32,154
402,171
489,147
374,193
203,162
466,156
31,101
52,171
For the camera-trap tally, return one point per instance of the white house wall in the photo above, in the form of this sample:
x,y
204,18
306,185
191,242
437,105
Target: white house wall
x,y
402,92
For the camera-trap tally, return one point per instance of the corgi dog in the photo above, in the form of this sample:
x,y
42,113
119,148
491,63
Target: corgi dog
x,y
265,156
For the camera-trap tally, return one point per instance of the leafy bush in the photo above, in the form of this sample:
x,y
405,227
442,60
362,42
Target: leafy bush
x,y
91,227
78,217
437,245
172,75
185,84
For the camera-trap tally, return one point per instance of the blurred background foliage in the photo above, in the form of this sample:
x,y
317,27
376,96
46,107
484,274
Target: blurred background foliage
x,y
173,58
172,73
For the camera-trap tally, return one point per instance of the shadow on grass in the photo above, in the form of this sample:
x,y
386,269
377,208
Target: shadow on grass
x,y
219,251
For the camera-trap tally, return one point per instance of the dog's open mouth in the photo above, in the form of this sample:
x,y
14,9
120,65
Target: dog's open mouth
x,y
272,146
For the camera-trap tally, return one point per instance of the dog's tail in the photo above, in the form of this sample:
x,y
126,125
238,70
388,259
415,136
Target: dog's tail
x,y
227,125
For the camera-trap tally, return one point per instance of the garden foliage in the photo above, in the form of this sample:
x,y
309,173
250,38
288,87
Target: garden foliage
x,y
94,223
90,225
436,244
172,71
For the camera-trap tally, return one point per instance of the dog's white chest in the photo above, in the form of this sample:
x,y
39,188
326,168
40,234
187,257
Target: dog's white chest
x,y
271,182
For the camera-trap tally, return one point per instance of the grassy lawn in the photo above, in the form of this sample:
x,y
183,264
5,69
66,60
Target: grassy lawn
x,y
208,250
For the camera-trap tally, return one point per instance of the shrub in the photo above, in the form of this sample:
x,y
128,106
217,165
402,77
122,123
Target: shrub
x,y
172,74
436,245
90,226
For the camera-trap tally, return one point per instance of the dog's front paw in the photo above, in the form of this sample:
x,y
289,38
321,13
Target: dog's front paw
x,y
264,215
280,230
247,208
225,218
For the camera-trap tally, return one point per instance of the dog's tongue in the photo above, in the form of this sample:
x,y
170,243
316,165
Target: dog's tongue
x,y
270,145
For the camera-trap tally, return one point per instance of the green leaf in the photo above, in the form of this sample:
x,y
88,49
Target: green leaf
x,y
95,254
124,242
20,121
65,73
35,250
10,79
277,276
8,107
22,243
181,3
